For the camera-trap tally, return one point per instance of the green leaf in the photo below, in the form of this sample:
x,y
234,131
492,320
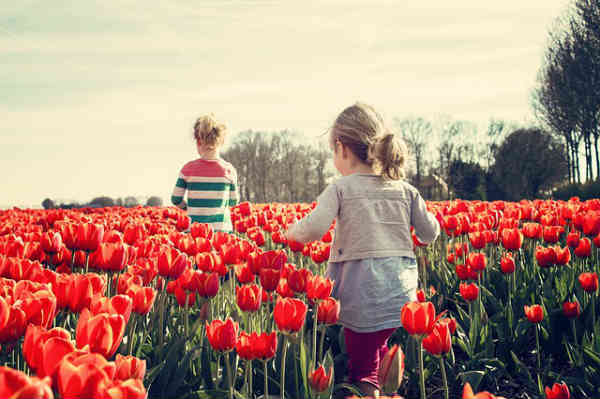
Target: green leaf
x,y
592,356
303,365
349,387
152,374
205,362
473,377
522,368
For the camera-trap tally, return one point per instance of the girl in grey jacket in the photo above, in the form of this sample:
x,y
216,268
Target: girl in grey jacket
x,y
372,261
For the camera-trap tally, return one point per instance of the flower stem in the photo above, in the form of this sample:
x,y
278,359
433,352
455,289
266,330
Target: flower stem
x,y
266,387
444,378
229,375
421,371
539,359
321,343
314,337
283,354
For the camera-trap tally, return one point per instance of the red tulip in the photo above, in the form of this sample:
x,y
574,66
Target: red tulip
x,y
545,257
319,380
51,242
118,304
110,256
571,310
584,248
289,315
534,313
450,321
254,346
318,287
468,394
79,379
183,297
201,230
143,298
477,240
551,234
507,263
469,292
465,272
129,367
249,297
558,391
320,253
421,295
269,278
328,311
283,288
418,318
588,281
222,335
205,284
134,233
89,236
243,273
295,246
298,278
171,263
573,239
563,255
103,332
532,230
512,239
477,261
15,384
43,349
439,341
391,370
130,389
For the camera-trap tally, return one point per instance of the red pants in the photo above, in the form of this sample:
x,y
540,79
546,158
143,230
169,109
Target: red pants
x,y
365,352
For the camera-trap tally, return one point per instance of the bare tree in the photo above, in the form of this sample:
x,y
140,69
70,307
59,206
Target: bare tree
x,y
416,132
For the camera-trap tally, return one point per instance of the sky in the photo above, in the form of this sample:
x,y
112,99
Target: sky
x,y
99,97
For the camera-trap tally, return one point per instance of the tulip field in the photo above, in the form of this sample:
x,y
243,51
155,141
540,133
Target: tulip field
x,y
136,302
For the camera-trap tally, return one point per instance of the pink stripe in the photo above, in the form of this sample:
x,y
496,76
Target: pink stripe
x,y
201,167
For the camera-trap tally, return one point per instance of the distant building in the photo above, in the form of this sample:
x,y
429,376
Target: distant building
x,y
433,188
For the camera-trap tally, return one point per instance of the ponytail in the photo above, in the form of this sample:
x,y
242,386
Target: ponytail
x,y
389,154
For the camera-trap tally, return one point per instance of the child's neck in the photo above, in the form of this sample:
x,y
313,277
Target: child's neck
x,y
210,155
361,167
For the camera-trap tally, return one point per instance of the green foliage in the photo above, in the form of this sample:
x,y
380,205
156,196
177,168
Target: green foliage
x,y
584,191
467,180
528,163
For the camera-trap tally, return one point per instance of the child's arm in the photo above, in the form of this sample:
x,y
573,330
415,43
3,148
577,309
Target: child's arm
x,y
179,192
426,225
315,225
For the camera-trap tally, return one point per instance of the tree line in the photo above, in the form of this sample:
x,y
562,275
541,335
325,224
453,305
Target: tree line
x,y
506,162
566,98
103,201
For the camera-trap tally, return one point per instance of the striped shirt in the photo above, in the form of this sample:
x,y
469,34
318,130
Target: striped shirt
x,y
211,186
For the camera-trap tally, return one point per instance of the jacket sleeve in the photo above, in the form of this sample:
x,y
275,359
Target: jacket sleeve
x,y
426,225
313,226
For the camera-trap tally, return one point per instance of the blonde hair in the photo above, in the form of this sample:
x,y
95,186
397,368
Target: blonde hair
x,y
208,131
362,130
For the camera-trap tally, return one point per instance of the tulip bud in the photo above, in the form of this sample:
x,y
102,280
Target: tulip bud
x,y
319,380
391,370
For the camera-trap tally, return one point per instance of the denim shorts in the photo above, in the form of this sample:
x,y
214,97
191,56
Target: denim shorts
x,y
372,291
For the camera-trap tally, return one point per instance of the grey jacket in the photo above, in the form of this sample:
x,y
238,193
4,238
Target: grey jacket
x,y
373,218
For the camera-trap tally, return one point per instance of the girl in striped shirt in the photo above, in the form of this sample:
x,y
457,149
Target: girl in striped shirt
x,y
210,181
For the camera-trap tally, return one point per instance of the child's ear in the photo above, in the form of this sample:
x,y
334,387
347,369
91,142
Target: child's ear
x,y
344,151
